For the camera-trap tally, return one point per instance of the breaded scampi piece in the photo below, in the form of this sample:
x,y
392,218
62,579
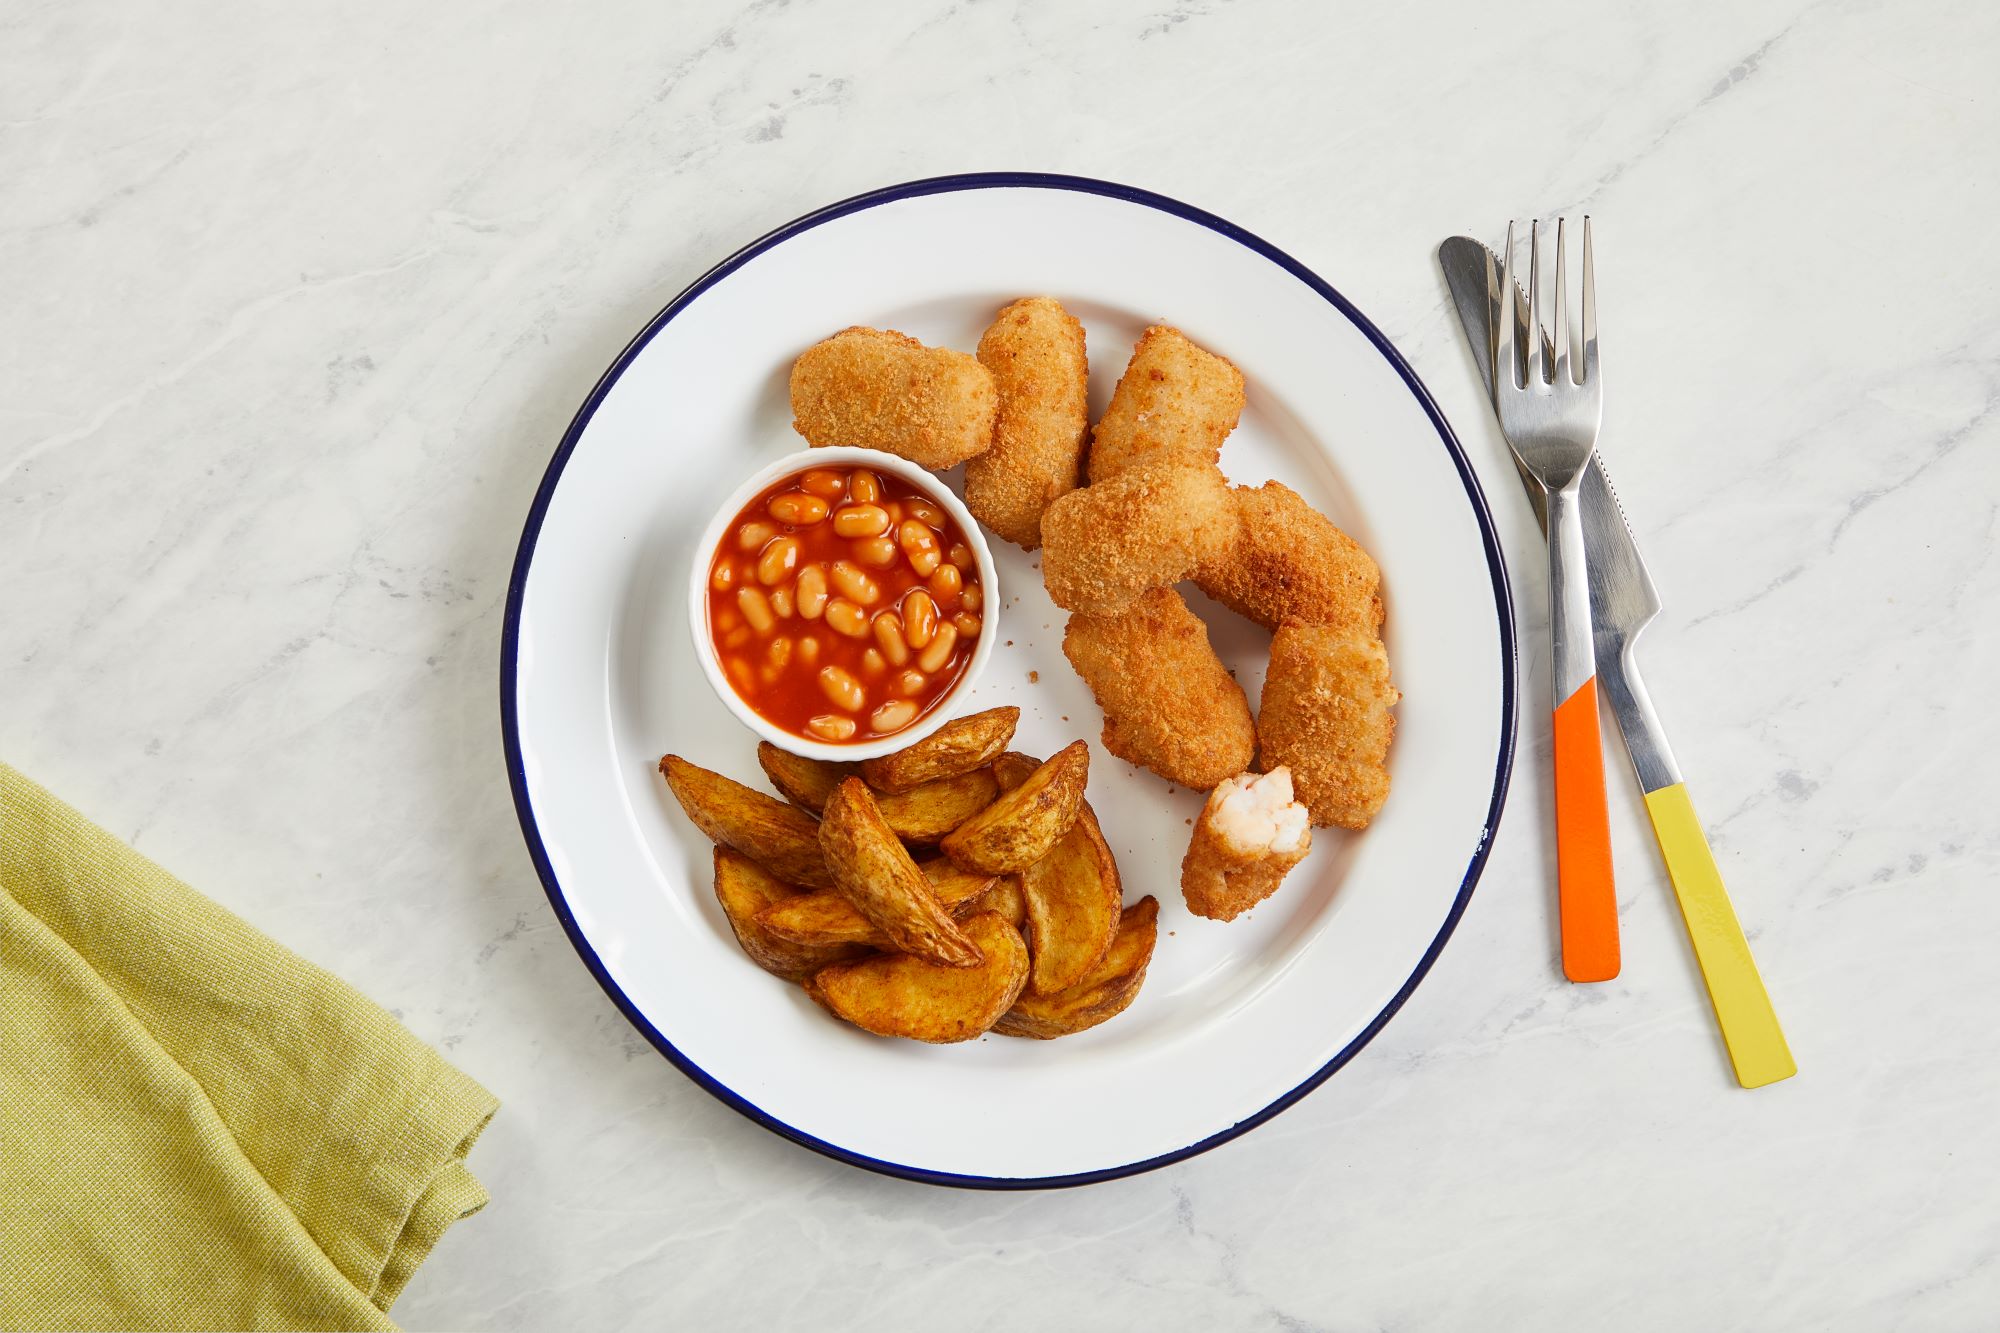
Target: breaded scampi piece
x,y
1035,352
1250,834
1149,527
1325,715
1175,400
1169,703
877,389
1290,562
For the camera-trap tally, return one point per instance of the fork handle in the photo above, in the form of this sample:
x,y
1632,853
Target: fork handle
x,y
1586,893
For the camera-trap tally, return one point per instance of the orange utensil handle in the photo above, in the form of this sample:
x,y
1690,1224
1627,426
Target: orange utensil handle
x,y
1587,898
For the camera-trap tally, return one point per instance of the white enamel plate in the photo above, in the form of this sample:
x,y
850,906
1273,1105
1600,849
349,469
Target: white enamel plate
x,y
1236,1021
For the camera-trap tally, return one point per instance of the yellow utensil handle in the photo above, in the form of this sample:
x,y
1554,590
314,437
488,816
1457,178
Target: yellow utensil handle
x,y
1749,1025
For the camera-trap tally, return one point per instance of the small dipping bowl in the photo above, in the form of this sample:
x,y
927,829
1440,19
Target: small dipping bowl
x,y
721,528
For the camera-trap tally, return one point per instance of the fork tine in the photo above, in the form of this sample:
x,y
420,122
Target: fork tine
x,y
1589,309
1560,340
1503,345
1536,368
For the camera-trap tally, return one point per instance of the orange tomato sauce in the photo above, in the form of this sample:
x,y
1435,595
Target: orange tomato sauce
x,y
844,604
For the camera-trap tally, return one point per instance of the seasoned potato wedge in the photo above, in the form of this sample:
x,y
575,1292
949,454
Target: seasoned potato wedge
x,y
957,747
1014,768
828,918
774,835
925,814
1005,898
1103,993
745,889
804,782
874,871
1015,831
893,995
1073,899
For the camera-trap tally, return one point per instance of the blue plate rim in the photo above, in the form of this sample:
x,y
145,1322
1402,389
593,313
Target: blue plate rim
x,y
524,560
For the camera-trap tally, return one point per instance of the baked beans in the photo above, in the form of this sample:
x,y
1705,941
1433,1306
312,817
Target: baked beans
x,y
843,604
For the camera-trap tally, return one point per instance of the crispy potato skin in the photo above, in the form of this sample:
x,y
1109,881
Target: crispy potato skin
x,y
746,890
959,746
1147,527
783,840
1005,898
1018,829
1174,400
1169,704
1106,991
927,813
874,872
1221,881
1035,350
1290,562
804,782
1073,897
895,995
828,917
878,389
1325,715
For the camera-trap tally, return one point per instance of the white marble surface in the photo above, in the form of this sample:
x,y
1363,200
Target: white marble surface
x,y
299,298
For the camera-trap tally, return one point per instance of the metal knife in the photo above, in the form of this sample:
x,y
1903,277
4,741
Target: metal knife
x,y
1623,601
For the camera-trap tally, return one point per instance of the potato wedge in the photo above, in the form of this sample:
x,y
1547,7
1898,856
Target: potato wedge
x,y
957,747
804,782
1005,898
745,889
872,869
828,918
921,814
893,995
1073,898
1104,993
774,835
1018,829
1014,768
925,814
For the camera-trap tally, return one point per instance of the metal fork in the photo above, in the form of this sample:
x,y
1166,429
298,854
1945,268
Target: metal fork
x,y
1551,422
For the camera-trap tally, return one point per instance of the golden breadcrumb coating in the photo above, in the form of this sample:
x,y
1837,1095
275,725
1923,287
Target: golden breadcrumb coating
x,y
1169,703
1325,715
1290,562
877,389
1250,834
1035,352
1173,401
1147,527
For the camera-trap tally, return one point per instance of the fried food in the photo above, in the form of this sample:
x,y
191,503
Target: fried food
x,y
1250,833
1147,527
804,782
1325,716
1035,351
783,840
1104,992
1018,829
877,389
1005,898
895,995
1073,898
927,813
1174,400
1290,562
745,889
872,869
1169,704
829,918
958,747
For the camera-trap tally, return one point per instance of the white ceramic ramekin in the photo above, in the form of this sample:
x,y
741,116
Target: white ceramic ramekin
x,y
704,643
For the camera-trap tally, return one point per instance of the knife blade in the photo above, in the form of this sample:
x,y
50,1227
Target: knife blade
x,y
1623,601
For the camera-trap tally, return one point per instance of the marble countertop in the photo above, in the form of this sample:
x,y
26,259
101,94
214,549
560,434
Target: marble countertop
x,y
299,299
